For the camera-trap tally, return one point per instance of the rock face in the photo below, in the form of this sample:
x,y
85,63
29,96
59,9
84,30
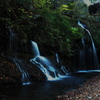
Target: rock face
x,y
94,8
9,74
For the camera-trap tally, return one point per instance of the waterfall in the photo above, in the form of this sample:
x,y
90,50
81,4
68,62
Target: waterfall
x,y
21,66
58,61
12,54
48,70
93,59
35,49
12,46
64,70
57,58
82,56
44,64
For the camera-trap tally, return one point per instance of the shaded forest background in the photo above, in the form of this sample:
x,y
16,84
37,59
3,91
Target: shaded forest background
x,y
50,23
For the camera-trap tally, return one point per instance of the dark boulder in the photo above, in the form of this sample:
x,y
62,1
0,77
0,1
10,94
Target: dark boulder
x,y
94,8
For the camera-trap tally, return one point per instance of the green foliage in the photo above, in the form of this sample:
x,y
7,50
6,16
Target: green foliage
x,y
63,8
80,10
56,31
39,21
96,38
41,5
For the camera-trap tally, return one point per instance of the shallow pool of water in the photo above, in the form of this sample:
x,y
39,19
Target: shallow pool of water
x,y
47,90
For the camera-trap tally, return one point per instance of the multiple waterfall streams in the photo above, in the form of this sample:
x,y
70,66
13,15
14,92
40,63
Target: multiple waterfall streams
x,y
45,65
12,54
92,63
58,72
51,70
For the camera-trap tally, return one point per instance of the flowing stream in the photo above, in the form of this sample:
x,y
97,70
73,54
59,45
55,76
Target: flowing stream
x,y
47,90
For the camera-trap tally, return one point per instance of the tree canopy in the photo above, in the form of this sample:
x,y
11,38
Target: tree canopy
x,y
51,23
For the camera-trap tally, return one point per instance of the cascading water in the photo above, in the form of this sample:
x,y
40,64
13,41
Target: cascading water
x,y
64,70
44,64
93,59
82,56
21,66
35,49
12,46
45,67
57,58
12,54
60,65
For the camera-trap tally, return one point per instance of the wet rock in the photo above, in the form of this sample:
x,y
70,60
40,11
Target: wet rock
x,y
10,74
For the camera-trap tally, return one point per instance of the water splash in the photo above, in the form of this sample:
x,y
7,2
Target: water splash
x,y
44,64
